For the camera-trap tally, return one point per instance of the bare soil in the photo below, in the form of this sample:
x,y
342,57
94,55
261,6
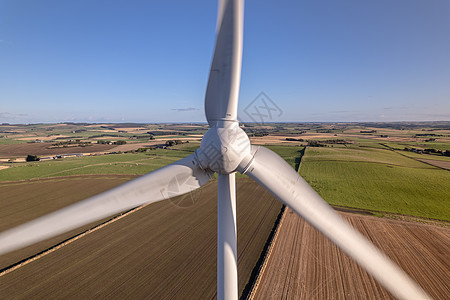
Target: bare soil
x,y
163,251
306,265
281,139
42,138
42,149
273,139
22,201
130,129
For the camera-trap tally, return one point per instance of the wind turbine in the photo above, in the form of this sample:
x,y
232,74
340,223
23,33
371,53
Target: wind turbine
x,y
225,149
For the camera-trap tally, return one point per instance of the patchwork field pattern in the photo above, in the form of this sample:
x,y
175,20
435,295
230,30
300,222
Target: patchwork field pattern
x,y
167,251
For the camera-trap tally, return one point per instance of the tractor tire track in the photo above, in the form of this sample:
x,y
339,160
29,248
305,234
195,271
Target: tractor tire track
x,y
325,272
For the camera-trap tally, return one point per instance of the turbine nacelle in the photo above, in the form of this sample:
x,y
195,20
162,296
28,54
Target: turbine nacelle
x,y
225,148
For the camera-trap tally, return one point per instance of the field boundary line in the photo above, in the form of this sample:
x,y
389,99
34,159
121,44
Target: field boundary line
x,y
68,177
413,158
267,255
273,236
68,241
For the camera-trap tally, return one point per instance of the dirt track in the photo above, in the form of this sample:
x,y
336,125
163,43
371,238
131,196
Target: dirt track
x,y
305,265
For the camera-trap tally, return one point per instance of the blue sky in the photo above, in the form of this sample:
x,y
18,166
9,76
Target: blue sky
x,y
148,61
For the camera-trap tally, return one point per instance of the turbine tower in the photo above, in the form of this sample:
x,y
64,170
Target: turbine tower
x,y
225,149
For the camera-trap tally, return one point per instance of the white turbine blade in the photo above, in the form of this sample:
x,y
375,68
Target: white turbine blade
x,y
175,179
221,98
227,274
272,172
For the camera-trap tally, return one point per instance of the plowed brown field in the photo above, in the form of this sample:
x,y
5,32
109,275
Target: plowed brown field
x,y
22,201
306,265
18,150
162,251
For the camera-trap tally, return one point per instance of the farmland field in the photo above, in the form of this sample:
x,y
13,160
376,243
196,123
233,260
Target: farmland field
x,y
159,252
17,141
437,163
134,164
23,201
23,149
378,179
306,265
424,157
351,165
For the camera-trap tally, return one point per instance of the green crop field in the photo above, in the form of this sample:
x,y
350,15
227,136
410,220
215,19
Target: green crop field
x,y
378,179
418,144
288,153
127,163
5,141
423,156
360,154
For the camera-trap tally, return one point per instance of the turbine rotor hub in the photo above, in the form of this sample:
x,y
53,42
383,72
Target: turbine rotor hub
x,y
223,147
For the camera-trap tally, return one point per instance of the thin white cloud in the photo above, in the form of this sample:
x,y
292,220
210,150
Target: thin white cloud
x,y
7,117
11,115
185,109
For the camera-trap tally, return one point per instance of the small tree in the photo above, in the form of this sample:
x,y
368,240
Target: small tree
x,y
32,158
